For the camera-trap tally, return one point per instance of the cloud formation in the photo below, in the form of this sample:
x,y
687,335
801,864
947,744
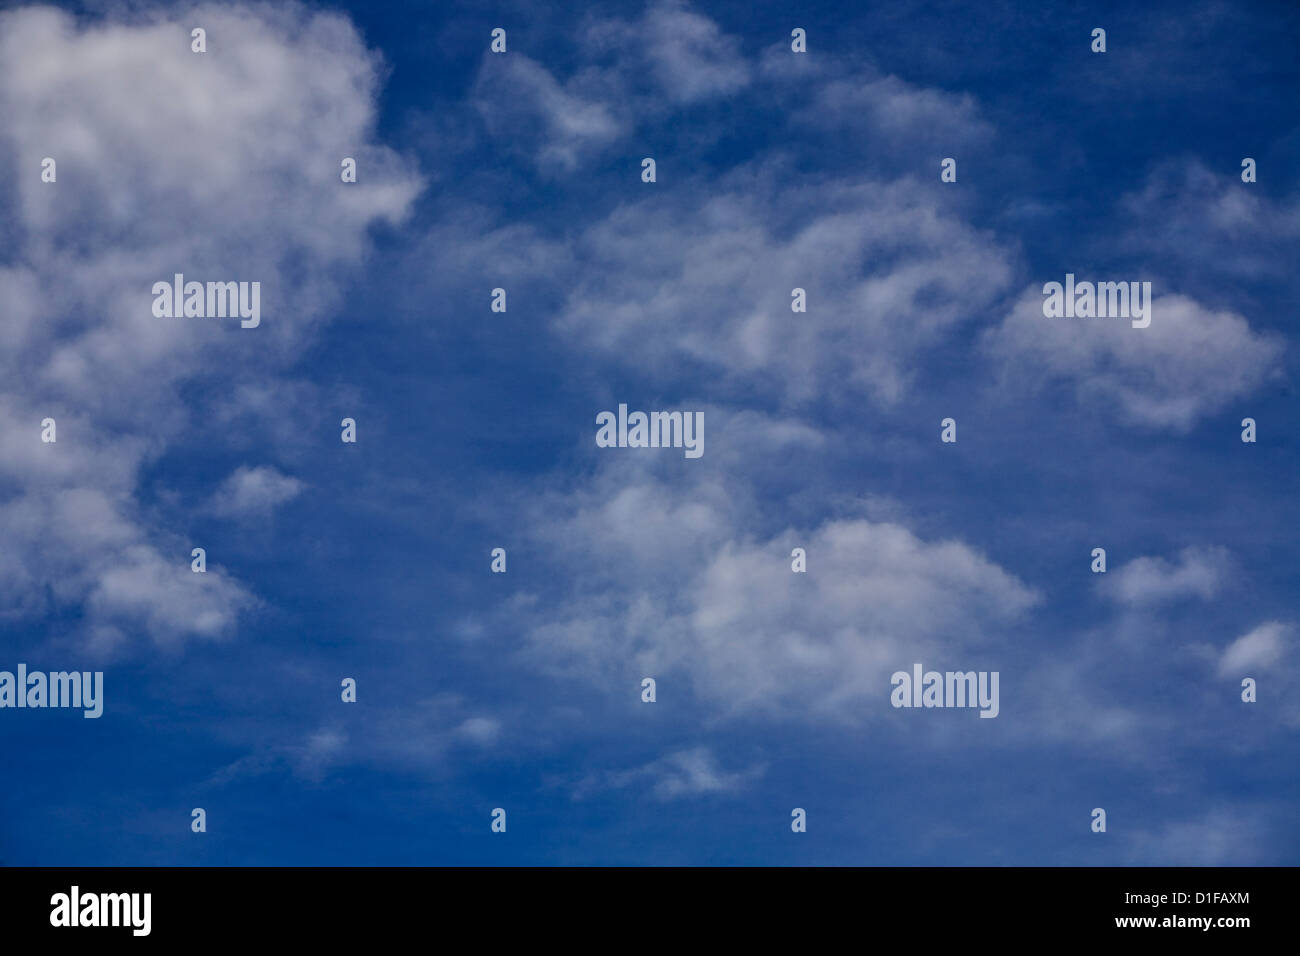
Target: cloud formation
x,y
1190,362
221,166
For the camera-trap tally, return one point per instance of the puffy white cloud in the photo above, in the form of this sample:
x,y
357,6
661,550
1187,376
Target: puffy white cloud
x,y
1190,362
671,580
222,166
79,544
876,598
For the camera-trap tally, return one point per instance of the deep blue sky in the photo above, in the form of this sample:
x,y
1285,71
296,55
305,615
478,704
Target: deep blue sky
x,y
476,429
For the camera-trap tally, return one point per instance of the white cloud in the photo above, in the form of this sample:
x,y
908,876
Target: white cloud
x,y
1211,222
887,109
1255,651
887,274
1145,581
480,730
875,599
1190,362
254,491
685,56
691,57
669,57
633,72
72,536
672,581
420,736
682,773
521,101
223,166
697,279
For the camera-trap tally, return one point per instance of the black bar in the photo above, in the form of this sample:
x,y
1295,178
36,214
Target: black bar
x,y
656,908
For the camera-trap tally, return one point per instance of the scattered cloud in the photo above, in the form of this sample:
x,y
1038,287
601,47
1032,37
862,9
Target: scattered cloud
x,y
254,492
1255,651
684,773
1199,573
1189,363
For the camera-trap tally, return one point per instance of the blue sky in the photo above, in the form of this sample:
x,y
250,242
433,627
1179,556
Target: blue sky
x,y
476,430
